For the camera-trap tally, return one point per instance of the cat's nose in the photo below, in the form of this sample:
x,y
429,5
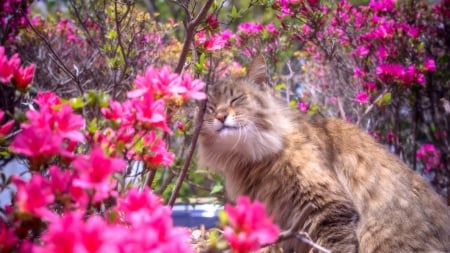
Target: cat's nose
x,y
222,116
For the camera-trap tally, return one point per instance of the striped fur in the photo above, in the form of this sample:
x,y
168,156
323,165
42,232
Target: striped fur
x,y
361,197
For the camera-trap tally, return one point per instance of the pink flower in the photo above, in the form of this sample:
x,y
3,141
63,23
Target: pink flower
x,y
370,86
362,97
159,82
149,226
383,5
249,226
94,171
362,50
272,29
5,128
8,238
7,67
250,29
70,234
430,156
155,151
23,77
429,64
358,72
303,106
212,21
38,143
150,113
47,99
60,120
60,180
33,196
193,88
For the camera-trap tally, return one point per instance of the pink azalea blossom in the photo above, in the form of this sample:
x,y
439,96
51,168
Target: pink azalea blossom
x,y
382,5
33,197
303,106
150,226
212,21
23,76
249,226
250,29
430,156
47,99
362,97
429,65
60,180
272,29
156,152
8,239
94,171
6,127
70,234
38,143
150,113
7,66
60,120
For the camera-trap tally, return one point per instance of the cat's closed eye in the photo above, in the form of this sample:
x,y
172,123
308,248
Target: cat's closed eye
x,y
238,99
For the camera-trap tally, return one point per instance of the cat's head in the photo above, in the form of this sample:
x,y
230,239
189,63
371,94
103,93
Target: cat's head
x,y
243,118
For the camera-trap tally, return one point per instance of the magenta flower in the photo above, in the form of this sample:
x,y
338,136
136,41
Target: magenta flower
x,y
382,5
60,120
159,82
249,226
33,197
37,143
150,113
8,238
7,66
362,97
430,156
23,77
303,106
47,99
272,29
5,128
149,225
70,234
156,152
250,29
94,171
429,64
193,88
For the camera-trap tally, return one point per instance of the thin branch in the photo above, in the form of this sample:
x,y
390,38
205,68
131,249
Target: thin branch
x,y
57,60
190,32
187,162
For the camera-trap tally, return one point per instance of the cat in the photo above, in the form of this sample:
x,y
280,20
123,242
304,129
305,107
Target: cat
x,y
322,176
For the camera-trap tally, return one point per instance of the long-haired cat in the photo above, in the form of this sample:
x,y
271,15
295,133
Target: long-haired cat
x,y
361,198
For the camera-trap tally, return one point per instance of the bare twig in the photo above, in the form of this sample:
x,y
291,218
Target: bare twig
x,y
190,32
56,58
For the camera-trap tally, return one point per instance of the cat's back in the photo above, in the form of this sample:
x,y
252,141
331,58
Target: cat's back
x,y
399,211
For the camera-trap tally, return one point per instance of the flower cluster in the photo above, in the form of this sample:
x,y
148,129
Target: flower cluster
x,y
11,71
143,224
13,17
430,156
249,227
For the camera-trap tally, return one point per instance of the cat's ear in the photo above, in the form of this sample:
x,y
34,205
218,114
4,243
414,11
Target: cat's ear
x,y
257,72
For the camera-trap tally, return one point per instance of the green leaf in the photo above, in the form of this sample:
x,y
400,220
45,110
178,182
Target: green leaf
x,y
218,187
386,99
280,86
76,103
234,12
112,34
